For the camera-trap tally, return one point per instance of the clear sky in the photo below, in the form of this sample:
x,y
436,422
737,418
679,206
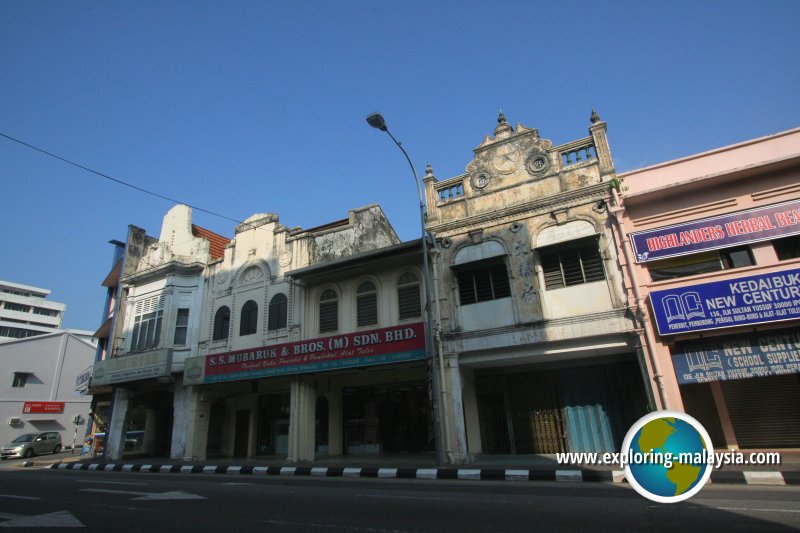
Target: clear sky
x,y
259,106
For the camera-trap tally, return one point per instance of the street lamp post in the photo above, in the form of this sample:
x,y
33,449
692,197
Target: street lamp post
x,y
376,121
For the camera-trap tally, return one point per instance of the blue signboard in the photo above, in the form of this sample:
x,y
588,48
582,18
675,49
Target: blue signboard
x,y
744,227
770,353
723,304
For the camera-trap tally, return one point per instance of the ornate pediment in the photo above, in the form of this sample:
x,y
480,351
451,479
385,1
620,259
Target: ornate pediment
x,y
512,151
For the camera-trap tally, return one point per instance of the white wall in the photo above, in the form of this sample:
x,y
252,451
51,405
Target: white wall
x,y
54,361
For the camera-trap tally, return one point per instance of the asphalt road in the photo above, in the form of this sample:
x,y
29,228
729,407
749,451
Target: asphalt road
x,y
119,501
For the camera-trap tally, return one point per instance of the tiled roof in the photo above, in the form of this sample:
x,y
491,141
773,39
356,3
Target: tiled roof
x,y
217,242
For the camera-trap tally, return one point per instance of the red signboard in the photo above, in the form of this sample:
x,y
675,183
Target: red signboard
x,y
43,407
379,346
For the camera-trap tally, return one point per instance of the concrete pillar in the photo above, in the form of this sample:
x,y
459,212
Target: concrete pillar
x,y
149,432
471,418
302,415
180,420
198,411
724,417
335,422
115,435
456,441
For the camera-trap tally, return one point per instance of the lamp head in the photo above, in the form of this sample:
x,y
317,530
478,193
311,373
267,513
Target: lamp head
x,y
376,121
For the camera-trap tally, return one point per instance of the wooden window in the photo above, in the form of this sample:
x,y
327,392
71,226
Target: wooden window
x,y
572,263
248,323
483,281
328,311
222,323
366,304
408,296
278,307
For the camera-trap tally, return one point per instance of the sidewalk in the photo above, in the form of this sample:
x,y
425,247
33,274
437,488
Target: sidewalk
x,y
423,466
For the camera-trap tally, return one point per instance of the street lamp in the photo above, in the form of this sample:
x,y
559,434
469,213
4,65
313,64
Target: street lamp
x,y
376,121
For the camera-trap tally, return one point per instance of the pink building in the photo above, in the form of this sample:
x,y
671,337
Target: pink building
x,y
711,258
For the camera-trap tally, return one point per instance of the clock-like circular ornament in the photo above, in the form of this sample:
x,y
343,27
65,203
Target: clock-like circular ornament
x,y
285,258
480,179
537,162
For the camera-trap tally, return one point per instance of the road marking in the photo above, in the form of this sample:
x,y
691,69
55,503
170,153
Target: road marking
x,y
171,495
334,526
19,497
57,519
747,509
109,482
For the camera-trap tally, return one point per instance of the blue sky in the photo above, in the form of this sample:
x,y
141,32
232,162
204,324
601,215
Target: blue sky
x,y
252,107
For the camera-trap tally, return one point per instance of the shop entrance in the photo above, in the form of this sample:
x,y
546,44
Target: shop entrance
x,y
391,418
580,409
148,424
273,424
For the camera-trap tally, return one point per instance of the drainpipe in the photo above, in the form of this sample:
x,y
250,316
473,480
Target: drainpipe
x,y
640,312
438,340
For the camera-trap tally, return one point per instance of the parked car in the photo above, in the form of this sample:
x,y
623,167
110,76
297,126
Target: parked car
x,y
31,444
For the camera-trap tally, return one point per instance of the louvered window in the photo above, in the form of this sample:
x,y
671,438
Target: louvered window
x,y
181,327
277,312
248,323
328,311
408,298
148,314
222,323
483,281
366,304
572,264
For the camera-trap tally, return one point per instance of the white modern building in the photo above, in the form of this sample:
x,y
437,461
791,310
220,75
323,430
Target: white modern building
x,y
25,311
38,386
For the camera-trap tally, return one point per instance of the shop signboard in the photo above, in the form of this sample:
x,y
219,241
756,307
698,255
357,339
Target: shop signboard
x,y
734,229
133,367
735,302
363,348
43,407
769,353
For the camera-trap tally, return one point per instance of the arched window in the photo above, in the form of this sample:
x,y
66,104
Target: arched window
x,y
277,312
222,323
249,320
328,311
408,297
366,304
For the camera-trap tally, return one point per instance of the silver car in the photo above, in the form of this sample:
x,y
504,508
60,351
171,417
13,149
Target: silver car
x,y
31,444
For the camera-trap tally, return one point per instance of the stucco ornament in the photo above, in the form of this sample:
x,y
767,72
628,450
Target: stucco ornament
x,y
222,276
506,159
480,178
537,162
252,274
285,258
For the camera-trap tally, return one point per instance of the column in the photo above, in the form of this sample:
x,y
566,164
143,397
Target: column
x,y
301,420
198,411
453,417
471,417
335,422
724,417
180,420
115,435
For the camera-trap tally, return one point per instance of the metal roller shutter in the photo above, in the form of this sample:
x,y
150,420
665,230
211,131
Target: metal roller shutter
x,y
765,412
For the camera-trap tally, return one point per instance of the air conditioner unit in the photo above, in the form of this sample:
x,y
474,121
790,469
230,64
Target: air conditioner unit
x,y
14,421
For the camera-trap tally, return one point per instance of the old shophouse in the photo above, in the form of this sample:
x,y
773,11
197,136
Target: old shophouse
x,y
534,326
311,342
711,254
153,321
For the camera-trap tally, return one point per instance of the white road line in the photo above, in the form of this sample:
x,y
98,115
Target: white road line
x,y
109,482
333,526
19,497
